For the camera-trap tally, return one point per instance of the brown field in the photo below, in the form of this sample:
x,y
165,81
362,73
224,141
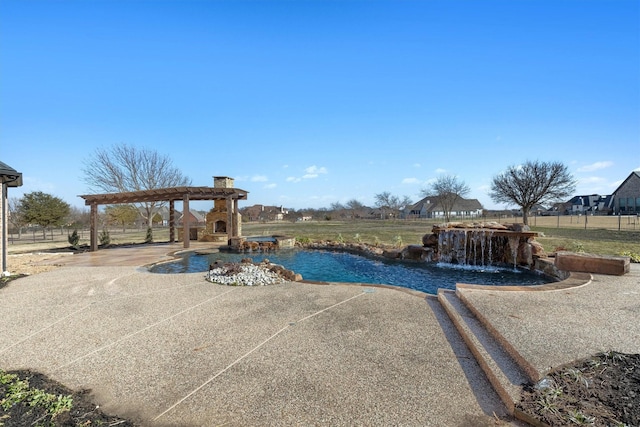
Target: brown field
x,y
595,234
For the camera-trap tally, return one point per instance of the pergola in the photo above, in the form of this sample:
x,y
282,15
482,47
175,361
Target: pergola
x,y
184,194
9,177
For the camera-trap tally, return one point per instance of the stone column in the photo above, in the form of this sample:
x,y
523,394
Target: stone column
x,y
186,237
229,218
236,219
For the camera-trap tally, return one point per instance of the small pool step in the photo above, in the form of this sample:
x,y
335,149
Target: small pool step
x,y
503,372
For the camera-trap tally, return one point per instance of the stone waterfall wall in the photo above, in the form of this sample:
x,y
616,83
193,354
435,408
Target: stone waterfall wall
x,y
482,244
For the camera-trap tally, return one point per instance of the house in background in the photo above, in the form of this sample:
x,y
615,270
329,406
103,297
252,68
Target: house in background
x,y
429,207
196,218
627,195
264,213
593,204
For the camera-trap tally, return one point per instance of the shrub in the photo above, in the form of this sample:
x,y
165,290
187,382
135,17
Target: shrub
x,y
149,237
74,239
105,238
635,257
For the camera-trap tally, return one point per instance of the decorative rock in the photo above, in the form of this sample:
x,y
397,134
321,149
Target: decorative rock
x,y
537,249
525,254
495,226
392,253
518,227
246,273
430,240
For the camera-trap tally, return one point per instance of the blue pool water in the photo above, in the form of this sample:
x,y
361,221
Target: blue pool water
x,y
326,266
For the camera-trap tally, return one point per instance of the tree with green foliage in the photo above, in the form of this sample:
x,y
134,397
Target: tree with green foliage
x,y
532,183
122,215
44,210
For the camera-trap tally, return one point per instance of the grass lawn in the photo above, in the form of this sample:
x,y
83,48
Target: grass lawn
x,y
571,235
400,233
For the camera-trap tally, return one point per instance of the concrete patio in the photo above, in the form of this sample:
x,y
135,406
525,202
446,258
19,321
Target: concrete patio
x,y
175,350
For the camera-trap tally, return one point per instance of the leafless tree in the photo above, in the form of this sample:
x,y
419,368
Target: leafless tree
x,y
532,183
447,189
355,206
385,200
15,215
124,168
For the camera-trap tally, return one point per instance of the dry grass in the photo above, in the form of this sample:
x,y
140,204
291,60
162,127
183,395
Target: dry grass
x,y
601,235
595,240
33,242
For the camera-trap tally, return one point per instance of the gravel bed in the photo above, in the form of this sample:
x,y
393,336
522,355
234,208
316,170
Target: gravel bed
x,y
244,274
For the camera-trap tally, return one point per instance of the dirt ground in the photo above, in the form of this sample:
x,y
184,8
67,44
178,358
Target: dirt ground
x,y
34,263
29,411
603,390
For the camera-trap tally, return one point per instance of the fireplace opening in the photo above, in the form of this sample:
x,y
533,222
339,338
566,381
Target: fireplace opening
x,y
220,227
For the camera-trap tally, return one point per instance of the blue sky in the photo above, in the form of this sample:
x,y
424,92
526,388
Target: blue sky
x,y
307,103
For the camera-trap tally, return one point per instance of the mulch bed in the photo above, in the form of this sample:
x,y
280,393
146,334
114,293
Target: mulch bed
x,y
603,390
83,411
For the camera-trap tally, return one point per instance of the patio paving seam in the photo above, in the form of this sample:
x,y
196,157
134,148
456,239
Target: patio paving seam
x,y
126,337
247,354
142,294
33,334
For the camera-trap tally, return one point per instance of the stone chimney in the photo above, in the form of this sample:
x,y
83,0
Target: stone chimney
x,y
222,182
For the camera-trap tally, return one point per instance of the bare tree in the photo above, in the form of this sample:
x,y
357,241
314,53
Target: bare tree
x,y
447,189
123,168
78,218
15,215
532,183
354,205
385,200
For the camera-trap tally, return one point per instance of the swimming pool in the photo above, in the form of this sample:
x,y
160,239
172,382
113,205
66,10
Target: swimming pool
x,y
327,266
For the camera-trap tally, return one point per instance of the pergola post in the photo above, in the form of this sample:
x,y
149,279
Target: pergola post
x,y
9,177
94,227
172,222
229,219
236,232
3,225
186,237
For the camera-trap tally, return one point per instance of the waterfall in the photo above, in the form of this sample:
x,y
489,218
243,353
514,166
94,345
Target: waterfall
x,y
490,258
483,240
466,247
513,244
478,247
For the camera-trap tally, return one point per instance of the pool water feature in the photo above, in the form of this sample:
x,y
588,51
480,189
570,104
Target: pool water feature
x,y
328,266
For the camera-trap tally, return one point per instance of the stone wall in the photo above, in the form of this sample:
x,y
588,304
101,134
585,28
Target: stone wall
x,y
483,244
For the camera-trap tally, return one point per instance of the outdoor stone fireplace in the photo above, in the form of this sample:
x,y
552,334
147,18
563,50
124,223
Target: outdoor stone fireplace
x,y
223,219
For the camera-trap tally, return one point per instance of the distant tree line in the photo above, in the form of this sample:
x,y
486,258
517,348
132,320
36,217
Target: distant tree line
x,y
124,168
